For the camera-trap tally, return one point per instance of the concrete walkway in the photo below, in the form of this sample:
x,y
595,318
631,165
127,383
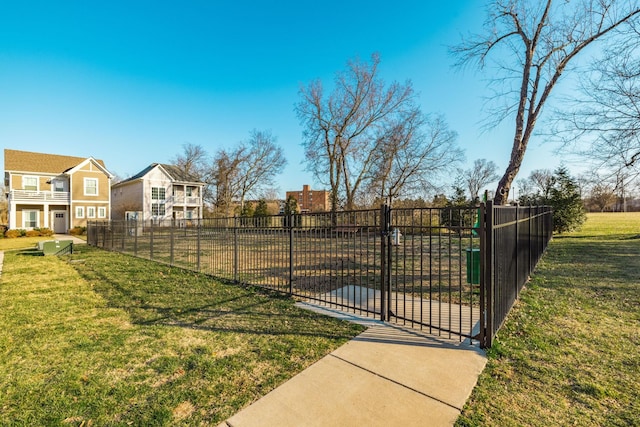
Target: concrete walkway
x,y
76,240
386,376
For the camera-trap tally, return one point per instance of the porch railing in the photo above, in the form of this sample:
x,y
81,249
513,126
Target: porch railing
x,y
22,196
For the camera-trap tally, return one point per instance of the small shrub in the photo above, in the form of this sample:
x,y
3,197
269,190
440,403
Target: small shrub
x,y
12,234
45,231
33,233
78,231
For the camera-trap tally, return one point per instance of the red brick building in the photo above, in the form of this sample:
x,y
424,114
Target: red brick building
x,y
311,200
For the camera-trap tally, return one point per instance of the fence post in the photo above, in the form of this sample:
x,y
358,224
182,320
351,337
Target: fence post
x,y
198,243
123,232
151,240
486,274
290,217
385,267
517,239
383,257
235,249
135,236
171,240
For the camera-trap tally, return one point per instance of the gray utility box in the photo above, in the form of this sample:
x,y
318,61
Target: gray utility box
x,y
56,247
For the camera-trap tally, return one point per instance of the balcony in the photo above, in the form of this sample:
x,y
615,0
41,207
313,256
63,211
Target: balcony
x,y
188,201
28,196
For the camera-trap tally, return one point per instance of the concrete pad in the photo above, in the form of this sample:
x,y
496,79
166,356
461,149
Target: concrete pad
x,y
333,392
446,371
446,316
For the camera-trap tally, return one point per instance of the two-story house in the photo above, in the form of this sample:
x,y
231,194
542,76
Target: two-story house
x,y
158,192
54,191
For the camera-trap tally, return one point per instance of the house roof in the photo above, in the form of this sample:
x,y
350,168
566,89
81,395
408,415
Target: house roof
x,y
179,175
27,161
174,173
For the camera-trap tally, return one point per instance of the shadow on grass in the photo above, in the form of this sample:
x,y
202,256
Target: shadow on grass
x,y
154,294
30,252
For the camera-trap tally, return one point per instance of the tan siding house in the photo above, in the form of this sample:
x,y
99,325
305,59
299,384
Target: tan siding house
x,y
54,191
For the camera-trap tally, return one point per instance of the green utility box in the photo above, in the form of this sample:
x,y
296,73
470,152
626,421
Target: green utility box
x,y
56,247
473,266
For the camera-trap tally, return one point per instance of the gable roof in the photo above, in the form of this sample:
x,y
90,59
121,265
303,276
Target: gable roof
x,y
27,161
179,175
173,172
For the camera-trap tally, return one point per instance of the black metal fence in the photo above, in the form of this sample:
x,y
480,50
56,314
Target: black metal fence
x,y
513,241
420,267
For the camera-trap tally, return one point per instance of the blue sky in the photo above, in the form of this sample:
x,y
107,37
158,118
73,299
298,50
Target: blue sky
x,y
131,82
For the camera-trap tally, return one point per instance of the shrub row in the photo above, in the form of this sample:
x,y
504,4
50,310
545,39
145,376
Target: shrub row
x,y
36,232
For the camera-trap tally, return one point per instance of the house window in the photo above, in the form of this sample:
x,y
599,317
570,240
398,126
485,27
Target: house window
x,y
30,219
58,186
102,212
157,209
90,186
30,183
91,211
79,211
190,191
158,193
189,215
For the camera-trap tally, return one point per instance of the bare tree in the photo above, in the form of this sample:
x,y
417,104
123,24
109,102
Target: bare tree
x,y
192,161
263,161
246,169
482,173
607,115
413,152
537,185
541,181
342,130
224,174
538,41
602,196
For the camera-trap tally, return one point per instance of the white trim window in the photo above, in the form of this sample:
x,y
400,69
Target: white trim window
x,y
79,211
102,212
91,186
91,211
30,183
30,218
158,209
158,198
158,193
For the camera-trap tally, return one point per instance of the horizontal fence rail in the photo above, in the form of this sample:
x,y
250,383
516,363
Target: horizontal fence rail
x,y
417,267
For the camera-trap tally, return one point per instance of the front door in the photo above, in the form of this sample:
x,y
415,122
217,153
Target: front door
x,y
60,222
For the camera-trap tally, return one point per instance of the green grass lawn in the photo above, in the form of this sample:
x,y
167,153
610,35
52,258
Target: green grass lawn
x,y
569,352
100,338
